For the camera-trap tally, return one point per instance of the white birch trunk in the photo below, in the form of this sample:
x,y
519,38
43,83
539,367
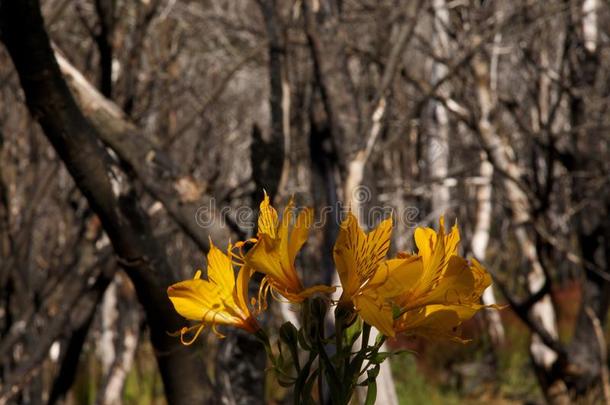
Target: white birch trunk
x,y
124,342
112,392
500,153
438,137
480,240
109,315
589,24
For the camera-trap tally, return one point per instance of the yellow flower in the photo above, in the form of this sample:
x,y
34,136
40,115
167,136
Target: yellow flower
x,y
277,245
368,280
443,289
220,300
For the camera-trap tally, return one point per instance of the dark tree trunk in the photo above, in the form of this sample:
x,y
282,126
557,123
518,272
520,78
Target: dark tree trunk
x,y
586,346
75,140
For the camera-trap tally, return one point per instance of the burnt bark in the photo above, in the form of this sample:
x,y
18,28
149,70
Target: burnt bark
x,y
591,223
268,160
337,91
103,39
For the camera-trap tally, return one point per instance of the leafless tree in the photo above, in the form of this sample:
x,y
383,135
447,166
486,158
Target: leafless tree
x,y
131,132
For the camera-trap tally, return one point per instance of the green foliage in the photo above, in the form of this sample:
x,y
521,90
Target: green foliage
x,y
424,378
414,389
142,386
516,378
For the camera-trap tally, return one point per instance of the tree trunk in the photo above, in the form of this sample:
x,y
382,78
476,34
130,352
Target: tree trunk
x,y
542,311
587,346
480,239
437,147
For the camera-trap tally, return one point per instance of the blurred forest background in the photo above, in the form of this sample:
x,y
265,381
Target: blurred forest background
x,y
131,131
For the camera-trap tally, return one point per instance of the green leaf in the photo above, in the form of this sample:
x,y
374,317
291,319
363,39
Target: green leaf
x,y
289,334
353,333
373,373
353,370
299,384
308,387
378,358
280,361
371,376
329,368
319,308
371,393
404,351
303,340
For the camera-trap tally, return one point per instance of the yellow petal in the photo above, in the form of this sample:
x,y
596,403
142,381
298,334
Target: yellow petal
x,y
264,257
378,241
454,287
268,219
432,250
425,239
345,254
218,300
220,269
435,322
375,313
272,253
357,255
200,300
452,240
482,279
241,288
284,235
299,233
394,276
465,312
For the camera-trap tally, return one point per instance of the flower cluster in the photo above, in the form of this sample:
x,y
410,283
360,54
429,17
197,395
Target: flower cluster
x,y
429,293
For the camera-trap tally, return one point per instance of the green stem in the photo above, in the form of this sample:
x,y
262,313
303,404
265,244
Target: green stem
x,y
374,351
262,337
364,344
366,333
294,353
352,370
339,344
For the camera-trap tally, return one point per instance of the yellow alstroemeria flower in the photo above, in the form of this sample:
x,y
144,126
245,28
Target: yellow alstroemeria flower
x,y
274,253
368,280
220,300
443,289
